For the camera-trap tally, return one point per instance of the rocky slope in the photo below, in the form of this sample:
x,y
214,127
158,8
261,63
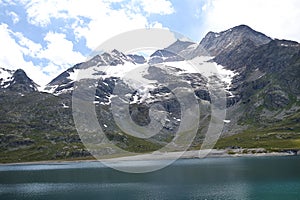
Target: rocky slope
x,y
260,77
16,81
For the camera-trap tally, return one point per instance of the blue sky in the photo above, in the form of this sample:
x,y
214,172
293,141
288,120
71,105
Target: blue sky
x,y
45,37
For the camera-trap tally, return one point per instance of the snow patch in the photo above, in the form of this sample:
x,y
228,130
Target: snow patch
x,y
135,99
225,75
5,76
65,106
204,67
63,91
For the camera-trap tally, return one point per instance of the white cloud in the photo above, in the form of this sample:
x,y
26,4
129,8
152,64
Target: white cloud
x,y
104,21
40,12
14,17
113,1
275,18
12,57
52,70
7,2
162,7
59,51
60,54
9,56
104,27
27,46
204,7
198,12
95,21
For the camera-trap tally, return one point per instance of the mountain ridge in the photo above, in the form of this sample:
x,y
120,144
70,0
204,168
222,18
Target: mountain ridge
x,y
17,81
263,99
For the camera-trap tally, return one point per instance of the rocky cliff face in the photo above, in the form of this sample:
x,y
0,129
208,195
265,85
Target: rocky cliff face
x,y
227,41
266,89
17,81
260,76
268,80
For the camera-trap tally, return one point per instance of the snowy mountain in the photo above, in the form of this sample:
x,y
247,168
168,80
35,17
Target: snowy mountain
x,y
16,81
95,67
110,67
5,77
258,75
225,41
178,51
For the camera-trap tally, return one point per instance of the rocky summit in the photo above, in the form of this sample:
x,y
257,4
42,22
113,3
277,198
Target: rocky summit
x,y
260,77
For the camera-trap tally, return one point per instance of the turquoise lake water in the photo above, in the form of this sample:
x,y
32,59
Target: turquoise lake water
x,y
211,178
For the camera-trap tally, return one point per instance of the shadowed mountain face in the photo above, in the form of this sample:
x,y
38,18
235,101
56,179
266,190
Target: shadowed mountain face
x,y
17,81
227,41
263,97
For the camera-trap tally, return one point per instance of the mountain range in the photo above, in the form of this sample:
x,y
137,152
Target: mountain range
x,y
260,77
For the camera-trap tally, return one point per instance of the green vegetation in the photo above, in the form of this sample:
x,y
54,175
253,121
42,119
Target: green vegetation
x,y
280,135
272,141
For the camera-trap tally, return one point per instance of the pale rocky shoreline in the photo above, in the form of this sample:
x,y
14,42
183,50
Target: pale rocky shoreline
x,y
196,154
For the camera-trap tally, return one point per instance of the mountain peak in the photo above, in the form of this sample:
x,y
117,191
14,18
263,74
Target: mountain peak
x,y
19,72
21,82
216,43
241,29
178,46
242,26
64,82
177,51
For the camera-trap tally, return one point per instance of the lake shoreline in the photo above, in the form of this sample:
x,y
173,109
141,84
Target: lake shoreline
x,y
196,154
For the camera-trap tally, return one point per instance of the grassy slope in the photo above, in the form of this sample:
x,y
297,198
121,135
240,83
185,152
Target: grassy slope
x,y
279,136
